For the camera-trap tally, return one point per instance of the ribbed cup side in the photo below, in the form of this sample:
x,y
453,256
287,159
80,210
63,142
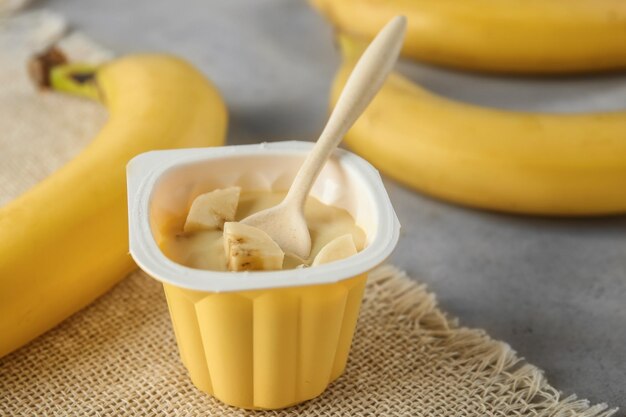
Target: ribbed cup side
x,y
276,328
184,320
321,315
267,348
226,324
355,287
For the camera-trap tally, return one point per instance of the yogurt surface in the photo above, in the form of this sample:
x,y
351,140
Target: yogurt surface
x,y
205,249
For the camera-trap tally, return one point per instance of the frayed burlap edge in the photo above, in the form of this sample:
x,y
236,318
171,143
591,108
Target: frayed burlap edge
x,y
420,306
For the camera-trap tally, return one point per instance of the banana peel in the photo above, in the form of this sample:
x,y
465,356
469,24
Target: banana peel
x,y
516,162
526,37
65,241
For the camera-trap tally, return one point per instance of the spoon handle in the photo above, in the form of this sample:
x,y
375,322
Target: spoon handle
x,y
364,82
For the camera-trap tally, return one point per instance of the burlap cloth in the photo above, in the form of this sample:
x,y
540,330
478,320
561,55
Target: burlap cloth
x,y
119,356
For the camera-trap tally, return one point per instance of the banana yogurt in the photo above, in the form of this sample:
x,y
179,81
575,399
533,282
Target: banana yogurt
x,y
213,239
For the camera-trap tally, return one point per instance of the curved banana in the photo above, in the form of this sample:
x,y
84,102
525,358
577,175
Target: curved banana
x,y
510,36
65,242
522,162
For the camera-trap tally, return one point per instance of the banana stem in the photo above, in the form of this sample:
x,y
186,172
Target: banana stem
x,y
76,79
50,69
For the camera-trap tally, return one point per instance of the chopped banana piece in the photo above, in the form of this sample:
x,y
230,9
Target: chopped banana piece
x,y
209,211
250,249
338,248
292,261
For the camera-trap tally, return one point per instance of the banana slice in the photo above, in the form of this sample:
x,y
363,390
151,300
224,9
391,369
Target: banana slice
x,y
250,249
293,261
338,248
209,211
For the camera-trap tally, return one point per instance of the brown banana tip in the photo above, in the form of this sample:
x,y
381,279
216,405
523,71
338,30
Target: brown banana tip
x,y
40,65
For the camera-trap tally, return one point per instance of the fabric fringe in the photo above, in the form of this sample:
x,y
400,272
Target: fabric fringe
x,y
418,306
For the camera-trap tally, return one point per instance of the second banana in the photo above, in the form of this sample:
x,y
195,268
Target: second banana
x,y
521,162
510,36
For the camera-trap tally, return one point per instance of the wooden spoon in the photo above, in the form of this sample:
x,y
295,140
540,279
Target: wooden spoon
x,y
285,222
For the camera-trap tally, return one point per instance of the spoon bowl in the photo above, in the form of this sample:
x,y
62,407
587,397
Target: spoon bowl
x,y
286,225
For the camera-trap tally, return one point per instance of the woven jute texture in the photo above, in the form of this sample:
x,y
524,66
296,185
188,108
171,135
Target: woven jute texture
x,y
118,357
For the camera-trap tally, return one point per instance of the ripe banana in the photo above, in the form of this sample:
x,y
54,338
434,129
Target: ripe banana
x,y
510,36
522,162
339,248
250,249
65,241
209,211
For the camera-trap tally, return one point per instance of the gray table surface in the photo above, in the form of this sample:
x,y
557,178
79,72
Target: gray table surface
x,y
553,289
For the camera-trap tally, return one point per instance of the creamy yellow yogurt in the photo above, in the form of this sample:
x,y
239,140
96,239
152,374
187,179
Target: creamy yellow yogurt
x,y
205,249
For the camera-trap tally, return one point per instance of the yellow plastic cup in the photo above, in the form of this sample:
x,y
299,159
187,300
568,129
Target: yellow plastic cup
x,y
262,339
